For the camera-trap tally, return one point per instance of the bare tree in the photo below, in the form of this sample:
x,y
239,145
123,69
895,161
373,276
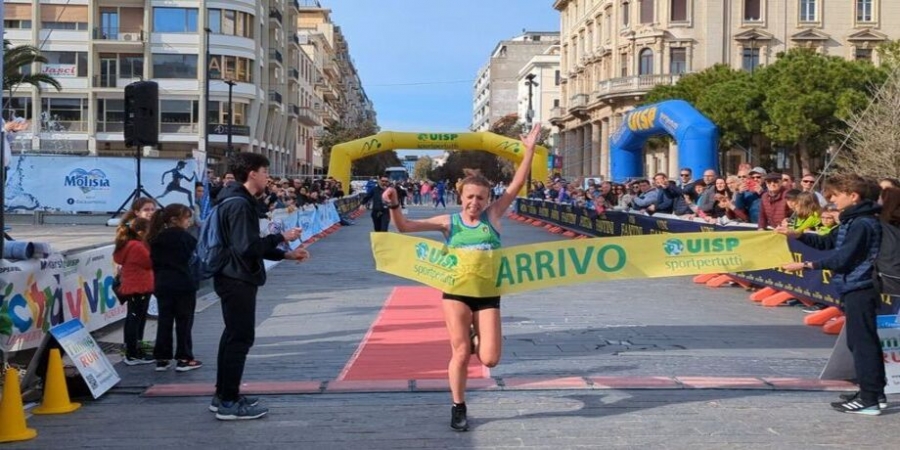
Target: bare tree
x,y
873,136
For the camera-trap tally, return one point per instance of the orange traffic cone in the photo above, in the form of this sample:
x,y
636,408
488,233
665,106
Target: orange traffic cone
x,y
56,394
12,413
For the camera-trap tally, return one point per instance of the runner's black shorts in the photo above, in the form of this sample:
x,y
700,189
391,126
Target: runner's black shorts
x,y
475,303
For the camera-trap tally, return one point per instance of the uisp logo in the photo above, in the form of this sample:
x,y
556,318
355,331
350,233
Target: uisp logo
x,y
676,247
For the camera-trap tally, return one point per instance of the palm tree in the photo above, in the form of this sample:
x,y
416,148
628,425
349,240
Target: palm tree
x,y
15,58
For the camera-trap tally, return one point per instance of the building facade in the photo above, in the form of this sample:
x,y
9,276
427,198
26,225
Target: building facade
x,y
496,92
615,51
97,47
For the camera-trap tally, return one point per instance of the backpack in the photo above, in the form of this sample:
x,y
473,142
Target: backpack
x,y
210,255
887,264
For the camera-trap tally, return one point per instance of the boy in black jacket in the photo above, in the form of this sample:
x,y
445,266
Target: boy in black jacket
x,y
239,280
855,243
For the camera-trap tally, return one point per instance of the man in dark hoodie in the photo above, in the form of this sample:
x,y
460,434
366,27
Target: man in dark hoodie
x,y
856,243
240,278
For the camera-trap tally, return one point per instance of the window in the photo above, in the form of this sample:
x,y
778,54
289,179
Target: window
x,y
625,14
608,27
678,60
131,66
175,20
110,115
18,107
808,10
228,22
17,24
65,64
864,11
647,11
233,68
215,21
218,113
178,116
556,78
750,59
623,64
752,11
63,114
862,54
77,26
646,62
678,11
556,103
174,66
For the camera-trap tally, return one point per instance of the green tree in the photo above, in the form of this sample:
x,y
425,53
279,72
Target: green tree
x,y
889,53
806,96
17,59
422,169
691,87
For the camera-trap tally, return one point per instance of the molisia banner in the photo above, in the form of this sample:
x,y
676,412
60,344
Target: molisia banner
x,y
539,266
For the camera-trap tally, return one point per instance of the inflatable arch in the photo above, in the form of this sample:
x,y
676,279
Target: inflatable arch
x,y
697,138
343,154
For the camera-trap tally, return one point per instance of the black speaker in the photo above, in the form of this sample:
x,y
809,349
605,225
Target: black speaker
x,y
141,114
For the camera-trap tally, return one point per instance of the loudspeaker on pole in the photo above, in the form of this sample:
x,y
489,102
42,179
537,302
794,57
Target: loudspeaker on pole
x,y
142,114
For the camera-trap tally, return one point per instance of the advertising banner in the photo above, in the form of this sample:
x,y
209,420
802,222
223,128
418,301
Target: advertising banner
x,y
811,285
39,294
560,263
87,356
94,184
889,334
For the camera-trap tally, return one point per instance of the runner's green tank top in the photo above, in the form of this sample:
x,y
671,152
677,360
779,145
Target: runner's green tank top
x,y
482,236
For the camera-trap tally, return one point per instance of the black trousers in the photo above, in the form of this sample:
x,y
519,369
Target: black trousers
x,y
135,320
238,300
860,310
175,309
381,219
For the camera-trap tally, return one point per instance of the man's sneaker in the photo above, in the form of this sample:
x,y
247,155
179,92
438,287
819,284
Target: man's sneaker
x,y
217,402
882,399
458,420
163,365
856,405
138,360
240,411
185,366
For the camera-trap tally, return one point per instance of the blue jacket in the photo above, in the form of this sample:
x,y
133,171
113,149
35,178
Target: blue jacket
x,y
855,243
748,201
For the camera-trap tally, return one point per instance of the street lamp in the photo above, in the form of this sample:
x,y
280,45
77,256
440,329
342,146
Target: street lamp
x,y
206,95
228,149
529,114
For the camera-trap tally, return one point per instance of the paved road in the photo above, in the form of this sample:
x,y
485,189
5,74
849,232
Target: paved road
x,y
312,317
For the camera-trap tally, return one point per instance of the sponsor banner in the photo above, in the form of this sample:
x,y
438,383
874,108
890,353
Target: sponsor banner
x,y
85,183
87,356
39,294
811,285
549,264
889,334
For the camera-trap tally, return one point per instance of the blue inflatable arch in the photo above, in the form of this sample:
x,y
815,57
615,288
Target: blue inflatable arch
x,y
697,138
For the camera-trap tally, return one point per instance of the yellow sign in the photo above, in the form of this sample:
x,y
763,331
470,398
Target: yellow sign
x,y
548,264
342,155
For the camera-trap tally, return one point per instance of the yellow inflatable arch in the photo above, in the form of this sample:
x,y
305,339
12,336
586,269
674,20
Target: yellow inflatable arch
x,y
343,154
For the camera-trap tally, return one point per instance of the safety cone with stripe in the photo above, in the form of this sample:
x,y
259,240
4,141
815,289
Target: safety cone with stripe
x,y
12,413
56,394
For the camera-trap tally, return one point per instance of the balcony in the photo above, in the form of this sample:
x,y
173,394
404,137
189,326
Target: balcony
x,y
634,85
275,97
294,74
221,129
557,114
308,117
295,39
578,104
64,126
276,15
276,55
118,34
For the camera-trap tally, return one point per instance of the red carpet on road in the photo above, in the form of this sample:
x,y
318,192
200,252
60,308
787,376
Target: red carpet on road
x,y
408,341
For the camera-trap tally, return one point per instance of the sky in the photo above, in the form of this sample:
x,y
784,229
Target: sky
x,y
418,59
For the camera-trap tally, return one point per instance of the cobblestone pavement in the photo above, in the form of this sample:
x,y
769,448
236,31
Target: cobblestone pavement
x,y
311,318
